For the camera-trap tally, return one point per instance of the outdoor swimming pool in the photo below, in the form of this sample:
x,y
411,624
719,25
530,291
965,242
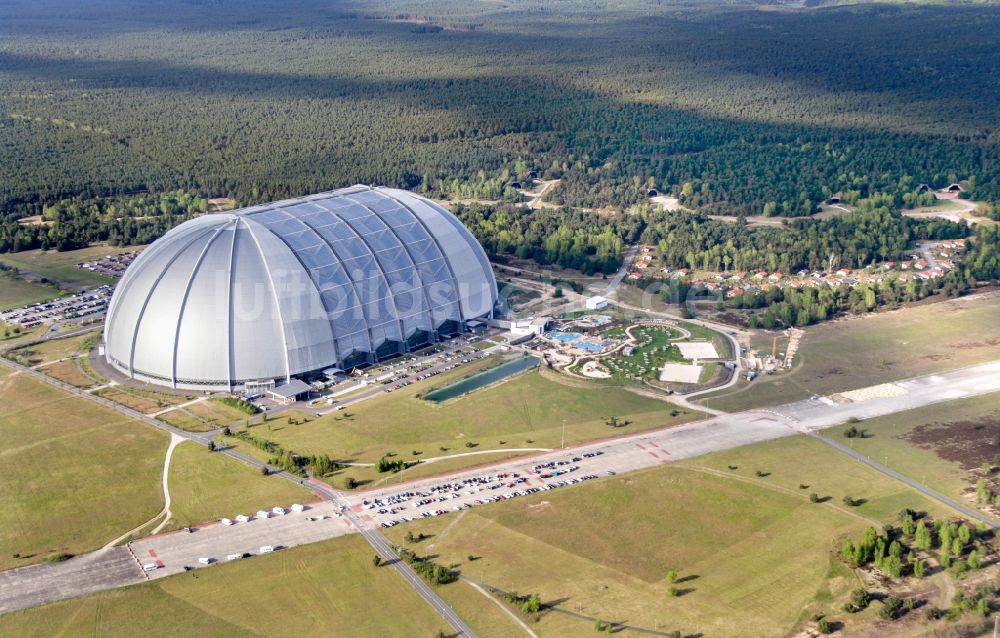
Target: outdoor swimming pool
x,y
481,379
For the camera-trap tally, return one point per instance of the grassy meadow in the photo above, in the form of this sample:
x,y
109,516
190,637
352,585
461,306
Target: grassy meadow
x,y
854,353
325,589
73,475
525,411
206,486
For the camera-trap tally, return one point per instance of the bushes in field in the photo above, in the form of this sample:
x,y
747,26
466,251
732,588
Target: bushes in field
x,y
240,404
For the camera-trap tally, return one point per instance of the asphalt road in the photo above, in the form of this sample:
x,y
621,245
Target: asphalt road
x,y
923,489
37,584
105,569
40,584
44,586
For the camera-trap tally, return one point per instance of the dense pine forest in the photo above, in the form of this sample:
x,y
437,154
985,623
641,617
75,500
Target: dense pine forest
x,y
734,109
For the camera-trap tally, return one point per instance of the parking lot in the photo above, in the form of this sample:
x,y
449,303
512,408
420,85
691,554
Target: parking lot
x,y
217,542
81,305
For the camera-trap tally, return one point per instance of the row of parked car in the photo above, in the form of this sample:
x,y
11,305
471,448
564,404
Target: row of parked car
x,y
495,498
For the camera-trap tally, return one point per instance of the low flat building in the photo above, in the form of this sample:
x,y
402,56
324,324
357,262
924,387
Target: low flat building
x,y
596,303
290,392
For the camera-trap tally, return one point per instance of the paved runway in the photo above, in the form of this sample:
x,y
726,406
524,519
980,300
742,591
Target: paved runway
x,y
39,584
46,583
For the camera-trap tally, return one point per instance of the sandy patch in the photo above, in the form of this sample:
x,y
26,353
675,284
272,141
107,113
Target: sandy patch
x,y
881,391
680,373
697,350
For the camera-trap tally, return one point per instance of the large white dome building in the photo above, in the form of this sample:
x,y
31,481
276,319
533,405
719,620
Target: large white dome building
x,y
282,289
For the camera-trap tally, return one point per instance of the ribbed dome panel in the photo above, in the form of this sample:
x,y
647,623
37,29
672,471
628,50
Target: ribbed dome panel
x,y
291,287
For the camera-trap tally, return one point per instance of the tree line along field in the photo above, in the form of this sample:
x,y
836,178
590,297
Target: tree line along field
x,y
754,556
525,411
735,110
60,266
944,446
16,291
206,486
854,353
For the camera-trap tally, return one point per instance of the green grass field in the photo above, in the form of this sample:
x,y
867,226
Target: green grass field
x,y
53,349
73,475
886,441
145,401
328,588
184,421
754,555
796,461
67,372
9,338
845,355
16,292
61,266
215,412
206,486
524,411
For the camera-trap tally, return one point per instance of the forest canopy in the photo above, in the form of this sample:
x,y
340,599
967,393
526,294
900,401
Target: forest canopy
x,y
734,110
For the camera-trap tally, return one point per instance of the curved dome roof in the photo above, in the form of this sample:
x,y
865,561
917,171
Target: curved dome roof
x,y
295,286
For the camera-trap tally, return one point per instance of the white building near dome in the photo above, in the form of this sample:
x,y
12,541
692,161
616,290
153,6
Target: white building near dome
x,y
294,287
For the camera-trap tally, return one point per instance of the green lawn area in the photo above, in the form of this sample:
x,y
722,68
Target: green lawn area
x,y
328,588
795,461
973,423
145,401
206,486
524,411
216,412
184,421
73,475
67,372
755,558
61,266
16,291
9,338
759,558
53,349
850,354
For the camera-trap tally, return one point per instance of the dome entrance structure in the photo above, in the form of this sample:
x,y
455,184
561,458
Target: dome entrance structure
x,y
293,287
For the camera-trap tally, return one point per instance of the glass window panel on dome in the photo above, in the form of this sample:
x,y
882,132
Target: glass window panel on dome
x,y
349,324
350,344
424,251
340,300
365,222
346,244
315,217
361,267
393,260
410,232
318,258
381,312
386,331
409,297
381,239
